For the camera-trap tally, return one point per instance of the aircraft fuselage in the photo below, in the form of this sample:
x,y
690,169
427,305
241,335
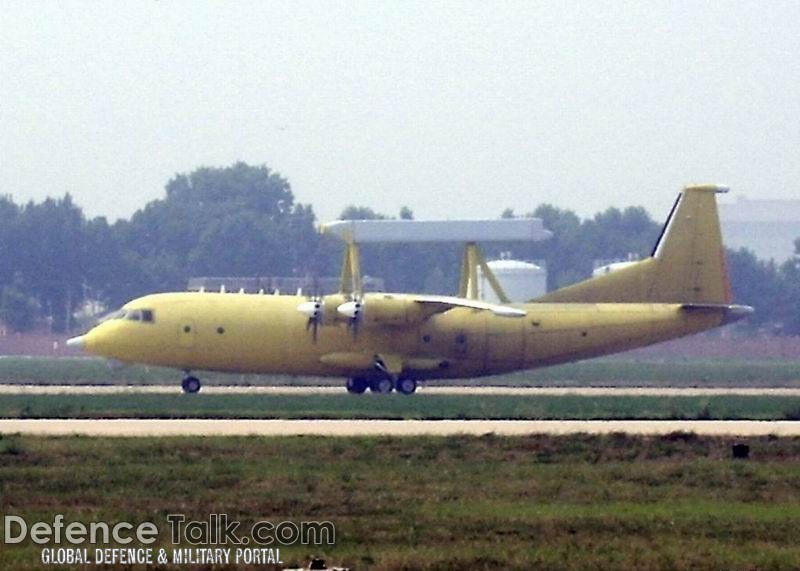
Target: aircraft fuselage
x,y
243,333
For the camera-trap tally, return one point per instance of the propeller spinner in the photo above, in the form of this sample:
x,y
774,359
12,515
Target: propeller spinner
x,y
313,309
353,310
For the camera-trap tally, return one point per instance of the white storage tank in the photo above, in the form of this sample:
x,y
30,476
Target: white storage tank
x,y
521,281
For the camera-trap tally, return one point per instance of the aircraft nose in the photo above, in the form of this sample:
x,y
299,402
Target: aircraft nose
x,y
86,342
77,342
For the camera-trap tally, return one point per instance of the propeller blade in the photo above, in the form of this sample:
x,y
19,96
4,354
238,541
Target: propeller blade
x,y
353,310
314,311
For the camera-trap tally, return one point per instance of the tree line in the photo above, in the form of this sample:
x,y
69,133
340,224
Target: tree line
x,y
243,220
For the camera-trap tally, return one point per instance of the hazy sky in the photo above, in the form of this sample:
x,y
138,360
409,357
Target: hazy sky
x,y
456,109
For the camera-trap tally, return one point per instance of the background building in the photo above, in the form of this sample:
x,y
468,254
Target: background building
x,y
767,227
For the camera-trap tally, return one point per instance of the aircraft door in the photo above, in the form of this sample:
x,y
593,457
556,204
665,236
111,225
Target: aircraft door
x,y
187,333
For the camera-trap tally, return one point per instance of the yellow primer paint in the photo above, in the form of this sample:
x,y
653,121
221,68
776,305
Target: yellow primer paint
x,y
681,289
266,334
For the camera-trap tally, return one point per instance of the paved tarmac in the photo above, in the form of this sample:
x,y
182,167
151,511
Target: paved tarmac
x,y
148,427
424,390
210,427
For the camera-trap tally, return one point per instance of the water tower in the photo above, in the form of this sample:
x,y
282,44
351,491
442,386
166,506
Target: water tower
x,y
521,281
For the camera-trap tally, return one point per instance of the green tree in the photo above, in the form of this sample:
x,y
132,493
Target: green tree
x,y
17,309
360,213
54,261
788,304
239,220
566,256
10,250
756,283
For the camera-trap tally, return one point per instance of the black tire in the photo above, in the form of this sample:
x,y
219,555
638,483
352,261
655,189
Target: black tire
x,y
356,386
191,385
381,386
406,386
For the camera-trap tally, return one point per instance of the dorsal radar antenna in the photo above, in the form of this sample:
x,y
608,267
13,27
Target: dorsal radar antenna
x,y
469,232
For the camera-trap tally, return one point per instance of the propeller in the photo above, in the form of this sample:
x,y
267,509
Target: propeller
x,y
353,310
314,310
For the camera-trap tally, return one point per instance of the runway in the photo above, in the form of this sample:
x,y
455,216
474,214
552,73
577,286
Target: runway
x,y
199,428
423,390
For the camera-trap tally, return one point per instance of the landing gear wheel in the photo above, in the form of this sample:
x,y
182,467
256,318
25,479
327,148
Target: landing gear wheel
x,y
381,386
356,386
406,386
190,385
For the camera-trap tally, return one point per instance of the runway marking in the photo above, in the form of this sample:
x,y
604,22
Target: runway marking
x,y
425,390
153,427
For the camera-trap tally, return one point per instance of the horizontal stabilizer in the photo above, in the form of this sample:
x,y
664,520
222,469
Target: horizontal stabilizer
x,y
730,313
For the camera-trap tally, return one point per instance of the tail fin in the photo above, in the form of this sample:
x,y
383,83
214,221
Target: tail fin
x,y
687,264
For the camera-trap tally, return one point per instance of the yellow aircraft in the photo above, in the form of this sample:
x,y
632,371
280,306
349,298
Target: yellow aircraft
x,y
385,341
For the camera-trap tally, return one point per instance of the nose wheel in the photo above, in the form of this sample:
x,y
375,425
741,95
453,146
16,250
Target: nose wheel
x,y
190,384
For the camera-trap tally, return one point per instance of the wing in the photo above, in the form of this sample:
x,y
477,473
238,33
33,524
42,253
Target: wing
x,y
442,303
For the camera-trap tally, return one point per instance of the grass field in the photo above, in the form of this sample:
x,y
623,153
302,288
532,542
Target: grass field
x,y
466,503
434,407
603,372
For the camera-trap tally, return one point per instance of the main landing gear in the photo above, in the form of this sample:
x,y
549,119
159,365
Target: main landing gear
x,y
190,384
381,385
406,386
357,385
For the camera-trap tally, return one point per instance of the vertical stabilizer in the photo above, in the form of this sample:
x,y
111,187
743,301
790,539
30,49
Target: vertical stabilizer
x,y
687,264
690,255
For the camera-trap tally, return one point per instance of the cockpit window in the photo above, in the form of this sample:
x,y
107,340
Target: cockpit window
x,y
144,315
119,314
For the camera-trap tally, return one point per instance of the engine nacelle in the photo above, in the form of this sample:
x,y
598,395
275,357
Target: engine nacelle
x,y
381,309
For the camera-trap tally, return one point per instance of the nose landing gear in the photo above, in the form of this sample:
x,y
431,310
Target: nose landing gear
x,y
190,384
